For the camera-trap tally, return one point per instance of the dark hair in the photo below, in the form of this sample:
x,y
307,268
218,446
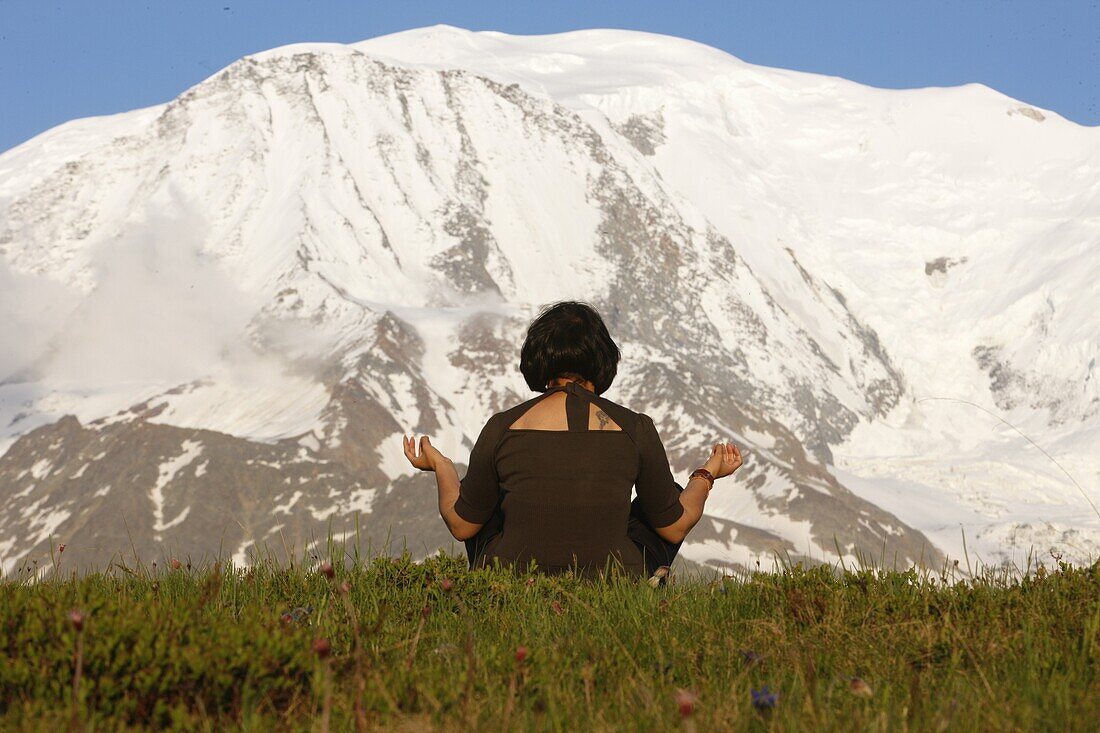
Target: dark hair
x,y
569,338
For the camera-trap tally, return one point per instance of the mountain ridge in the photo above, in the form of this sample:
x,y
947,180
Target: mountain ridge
x,y
371,238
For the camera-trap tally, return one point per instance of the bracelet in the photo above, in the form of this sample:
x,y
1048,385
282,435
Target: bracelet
x,y
705,474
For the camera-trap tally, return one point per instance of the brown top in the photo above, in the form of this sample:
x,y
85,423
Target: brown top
x,y
565,494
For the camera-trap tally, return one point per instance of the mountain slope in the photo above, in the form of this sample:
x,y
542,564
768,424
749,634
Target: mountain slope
x,y
322,247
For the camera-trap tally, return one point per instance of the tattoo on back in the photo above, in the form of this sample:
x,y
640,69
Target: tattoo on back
x,y
604,419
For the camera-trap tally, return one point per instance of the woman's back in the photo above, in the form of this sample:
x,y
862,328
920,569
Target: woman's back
x,y
559,469
549,480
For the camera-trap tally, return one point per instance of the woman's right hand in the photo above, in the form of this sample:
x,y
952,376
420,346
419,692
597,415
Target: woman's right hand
x,y
725,458
429,457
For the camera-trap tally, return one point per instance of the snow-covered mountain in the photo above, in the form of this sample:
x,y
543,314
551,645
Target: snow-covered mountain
x,y
220,314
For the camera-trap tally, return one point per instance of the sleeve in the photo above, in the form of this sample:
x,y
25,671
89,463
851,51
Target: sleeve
x,y
657,490
479,489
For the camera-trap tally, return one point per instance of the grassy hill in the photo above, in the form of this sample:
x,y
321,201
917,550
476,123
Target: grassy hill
x,y
392,644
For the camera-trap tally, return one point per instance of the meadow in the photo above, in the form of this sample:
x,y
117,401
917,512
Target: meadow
x,y
393,644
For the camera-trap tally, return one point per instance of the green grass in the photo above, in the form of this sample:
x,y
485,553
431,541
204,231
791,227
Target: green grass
x,y
207,650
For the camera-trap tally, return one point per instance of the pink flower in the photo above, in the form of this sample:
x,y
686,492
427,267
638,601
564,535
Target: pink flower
x,y
685,701
521,653
327,571
322,648
176,565
860,688
76,618
446,584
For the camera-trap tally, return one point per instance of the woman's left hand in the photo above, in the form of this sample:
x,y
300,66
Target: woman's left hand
x,y
725,458
429,457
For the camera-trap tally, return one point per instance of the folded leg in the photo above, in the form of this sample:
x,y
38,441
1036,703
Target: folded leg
x,y
656,551
477,545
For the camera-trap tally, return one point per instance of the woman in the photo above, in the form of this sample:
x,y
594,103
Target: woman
x,y
550,479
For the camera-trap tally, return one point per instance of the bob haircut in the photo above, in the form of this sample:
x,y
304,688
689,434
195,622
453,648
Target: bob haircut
x,y
569,338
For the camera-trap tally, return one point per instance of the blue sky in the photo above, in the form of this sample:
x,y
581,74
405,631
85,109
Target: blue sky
x,y
61,60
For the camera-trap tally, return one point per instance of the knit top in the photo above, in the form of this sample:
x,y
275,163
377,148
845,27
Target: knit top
x,y
565,494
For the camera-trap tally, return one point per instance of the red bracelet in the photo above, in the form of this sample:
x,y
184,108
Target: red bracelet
x,y
705,474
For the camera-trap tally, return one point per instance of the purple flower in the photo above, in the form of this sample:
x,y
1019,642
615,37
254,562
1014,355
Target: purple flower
x,y
764,700
750,656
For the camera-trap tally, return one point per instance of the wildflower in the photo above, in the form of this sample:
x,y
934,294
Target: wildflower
x,y
530,582
60,549
860,688
345,587
685,701
446,584
76,618
659,577
762,699
521,653
176,564
327,571
556,607
296,614
322,648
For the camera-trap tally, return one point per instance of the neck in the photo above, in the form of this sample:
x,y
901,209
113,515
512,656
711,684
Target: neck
x,y
559,381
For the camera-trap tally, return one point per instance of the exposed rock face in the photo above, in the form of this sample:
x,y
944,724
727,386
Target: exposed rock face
x,y
1029,112
645,132
1012,386
384,231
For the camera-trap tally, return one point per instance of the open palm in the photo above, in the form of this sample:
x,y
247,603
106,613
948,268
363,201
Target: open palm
x,y
725,458
428,457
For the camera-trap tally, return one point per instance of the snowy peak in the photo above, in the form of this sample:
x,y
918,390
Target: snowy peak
x,y
322,247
